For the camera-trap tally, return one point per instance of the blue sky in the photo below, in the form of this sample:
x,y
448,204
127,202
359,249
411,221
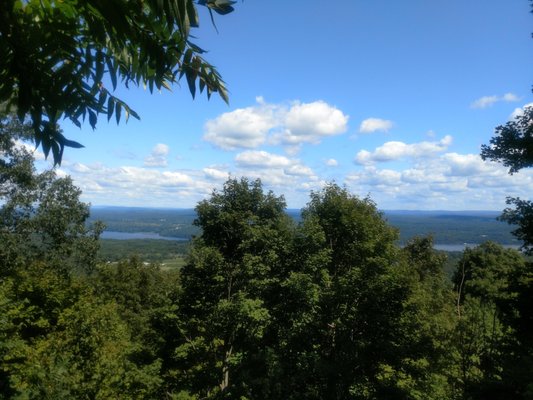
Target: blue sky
x,y
391,98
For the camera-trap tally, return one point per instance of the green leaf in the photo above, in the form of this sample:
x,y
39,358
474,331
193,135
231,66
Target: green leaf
x,y
110,107
92,119
101,100
112,72
191,81
118,110
99,66
73,144
56,151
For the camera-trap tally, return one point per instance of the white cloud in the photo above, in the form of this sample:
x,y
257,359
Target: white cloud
x,y
275,170
510,97
80,168
310,122
261,159
371,125
450,181
468,165
299,170
215,174
442,181
519,111
290,126
138,186
241,128
396,150
487,101
332,162
484,102
272,163
158,156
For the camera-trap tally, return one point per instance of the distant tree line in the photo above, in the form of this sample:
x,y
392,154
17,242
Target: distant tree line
x,y
264,308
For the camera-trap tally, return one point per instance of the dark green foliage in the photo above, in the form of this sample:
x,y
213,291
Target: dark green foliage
x,y
58,55
41,216
493,305
522,216
61,341
233,268
147,300
429,365
512,144
350,323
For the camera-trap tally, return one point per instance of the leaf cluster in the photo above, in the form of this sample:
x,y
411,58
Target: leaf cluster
x,y
63,58
512,144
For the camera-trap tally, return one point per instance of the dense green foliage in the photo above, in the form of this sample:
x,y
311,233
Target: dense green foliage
x,y
512,145
59,56
264,307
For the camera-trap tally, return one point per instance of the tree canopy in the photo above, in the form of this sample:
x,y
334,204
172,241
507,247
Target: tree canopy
x,y
59,55
512,145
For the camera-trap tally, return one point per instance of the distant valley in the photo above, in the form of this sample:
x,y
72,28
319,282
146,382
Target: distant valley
x,y
448,228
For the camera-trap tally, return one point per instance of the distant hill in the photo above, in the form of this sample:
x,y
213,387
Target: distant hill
x,y
452,227
447,227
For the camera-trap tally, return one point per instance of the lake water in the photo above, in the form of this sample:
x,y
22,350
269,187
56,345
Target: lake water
x,y
152,235
461,247
136,235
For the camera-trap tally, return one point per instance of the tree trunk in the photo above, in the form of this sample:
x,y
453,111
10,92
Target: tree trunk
x,y
225,370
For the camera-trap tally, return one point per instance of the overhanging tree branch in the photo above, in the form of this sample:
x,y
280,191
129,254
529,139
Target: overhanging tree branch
x,y
57,56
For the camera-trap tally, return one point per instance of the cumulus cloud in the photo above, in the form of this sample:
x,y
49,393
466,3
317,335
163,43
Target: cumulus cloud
x,y
158,156
487,101
332,162
263,160
299,170
467,165
291,126
309,123
241,128
371,125
397,150
450,181
519,111
215,174
445,180
138,186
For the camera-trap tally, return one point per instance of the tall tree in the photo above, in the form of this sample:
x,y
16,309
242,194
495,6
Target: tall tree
x,y
493,285
513,146
352,337
41,215
58,55
225,287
